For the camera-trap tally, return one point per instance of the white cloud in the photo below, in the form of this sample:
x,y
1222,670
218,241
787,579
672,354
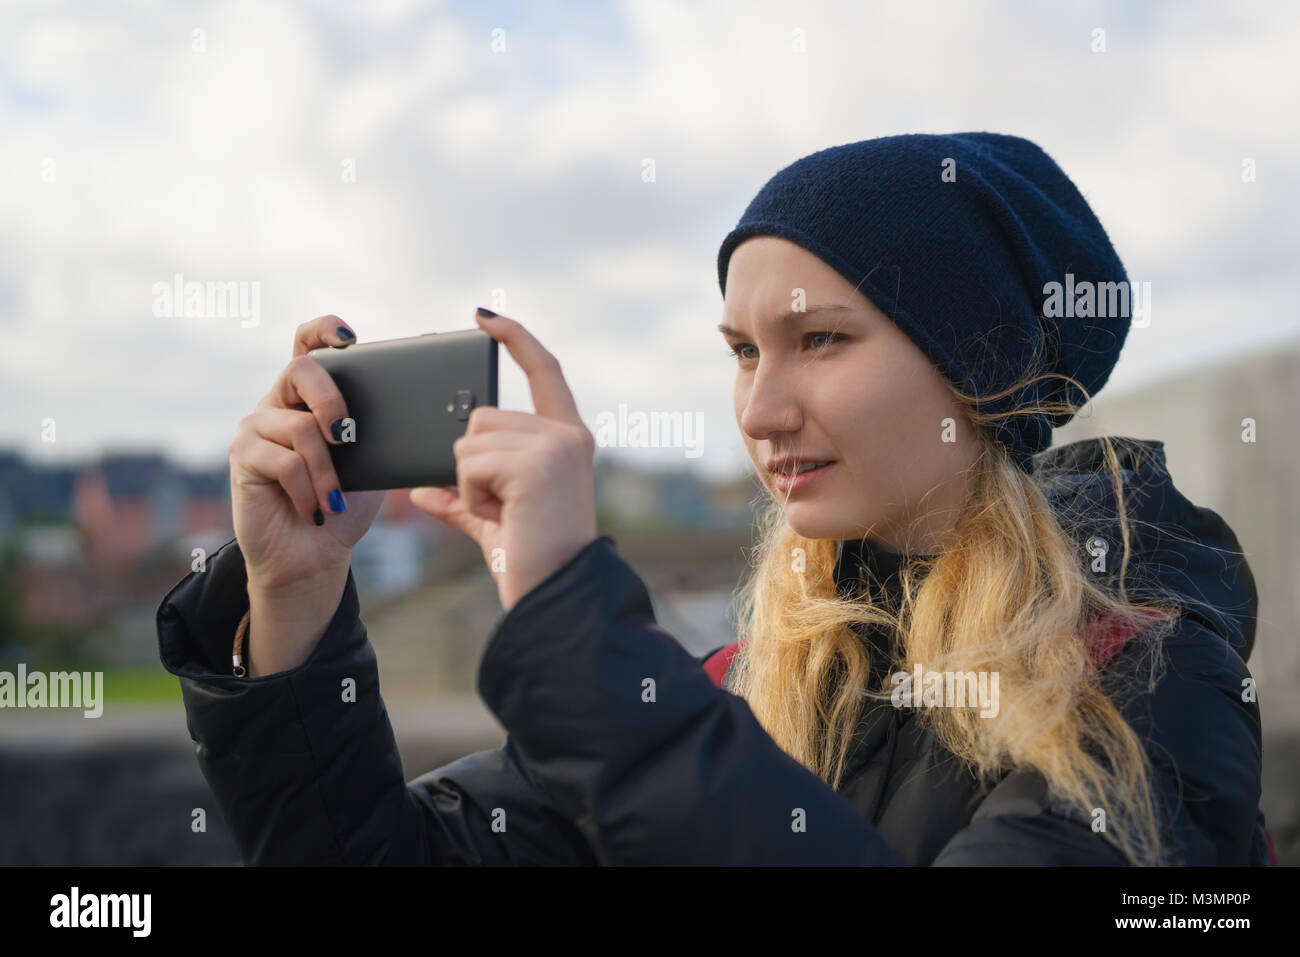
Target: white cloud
x,y
522,171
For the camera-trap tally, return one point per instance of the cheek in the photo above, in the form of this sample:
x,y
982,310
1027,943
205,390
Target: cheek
x,y
889,433
861,419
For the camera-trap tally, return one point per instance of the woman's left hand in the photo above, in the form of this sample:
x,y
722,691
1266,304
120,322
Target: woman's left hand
x,y
525,485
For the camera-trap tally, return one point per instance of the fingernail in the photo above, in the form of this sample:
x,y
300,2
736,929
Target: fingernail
x,y
336,429
317,517
486,313
343,332
336,502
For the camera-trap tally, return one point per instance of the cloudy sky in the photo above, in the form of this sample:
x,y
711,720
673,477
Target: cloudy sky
x,y
398,163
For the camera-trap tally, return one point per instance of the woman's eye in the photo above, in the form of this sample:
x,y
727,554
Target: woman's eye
x,y
830,336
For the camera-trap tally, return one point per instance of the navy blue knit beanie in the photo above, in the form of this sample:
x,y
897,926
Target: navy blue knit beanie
x,y
956,238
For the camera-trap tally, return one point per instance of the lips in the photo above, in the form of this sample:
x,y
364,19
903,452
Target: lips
x,y
807,467
788,484
793,466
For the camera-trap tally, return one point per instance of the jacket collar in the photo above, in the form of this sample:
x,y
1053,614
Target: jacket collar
x,y
1176,546
862,560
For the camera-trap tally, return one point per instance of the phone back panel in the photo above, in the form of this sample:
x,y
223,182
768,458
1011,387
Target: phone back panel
x,y
409,399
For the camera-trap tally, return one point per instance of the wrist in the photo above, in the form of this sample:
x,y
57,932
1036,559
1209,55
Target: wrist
x,y
288,621
271,588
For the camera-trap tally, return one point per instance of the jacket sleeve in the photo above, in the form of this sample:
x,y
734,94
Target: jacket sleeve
x,y
1203,740
652,761
305,770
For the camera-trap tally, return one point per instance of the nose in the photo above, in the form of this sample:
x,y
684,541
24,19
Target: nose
x,y
771,405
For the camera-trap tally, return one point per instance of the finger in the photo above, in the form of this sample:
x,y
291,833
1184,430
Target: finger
x,y
466,445
298,431
488,418
261,461
487,421
305,383
322,331
551,395
443,503
482,490
479,476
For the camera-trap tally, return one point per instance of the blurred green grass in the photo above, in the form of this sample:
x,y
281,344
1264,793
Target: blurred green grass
x,y
142,685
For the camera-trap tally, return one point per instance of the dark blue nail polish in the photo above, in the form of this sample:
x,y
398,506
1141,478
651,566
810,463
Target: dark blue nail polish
x,y
486,313
345,333
336,430
336,502
318,517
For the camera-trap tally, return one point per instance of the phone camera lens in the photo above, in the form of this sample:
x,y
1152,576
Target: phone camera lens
x,y
464,402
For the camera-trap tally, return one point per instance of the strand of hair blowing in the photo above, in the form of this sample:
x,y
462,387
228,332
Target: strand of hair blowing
x,y
1012,596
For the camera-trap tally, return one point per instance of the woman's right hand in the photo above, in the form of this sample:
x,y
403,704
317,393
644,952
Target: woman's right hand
x,y
281,478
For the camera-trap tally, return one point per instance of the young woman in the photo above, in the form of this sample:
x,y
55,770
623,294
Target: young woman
x,y
959,646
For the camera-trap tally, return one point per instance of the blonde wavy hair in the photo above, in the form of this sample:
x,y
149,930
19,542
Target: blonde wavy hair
x,y
1012,595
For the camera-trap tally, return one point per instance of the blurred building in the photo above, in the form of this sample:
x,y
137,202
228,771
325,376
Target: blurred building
x,y
389,559
677,498
81,533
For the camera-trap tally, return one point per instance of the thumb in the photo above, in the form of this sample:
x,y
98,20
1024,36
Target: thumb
x,y
443,503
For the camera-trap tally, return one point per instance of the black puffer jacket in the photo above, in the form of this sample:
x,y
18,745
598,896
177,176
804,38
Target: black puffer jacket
x,y
601,765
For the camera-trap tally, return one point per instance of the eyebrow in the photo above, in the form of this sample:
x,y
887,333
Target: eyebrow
x,y
792,314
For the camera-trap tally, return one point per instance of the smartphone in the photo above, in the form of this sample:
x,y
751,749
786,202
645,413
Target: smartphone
x,y
408,400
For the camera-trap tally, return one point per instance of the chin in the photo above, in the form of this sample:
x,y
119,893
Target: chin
x,y
814,523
